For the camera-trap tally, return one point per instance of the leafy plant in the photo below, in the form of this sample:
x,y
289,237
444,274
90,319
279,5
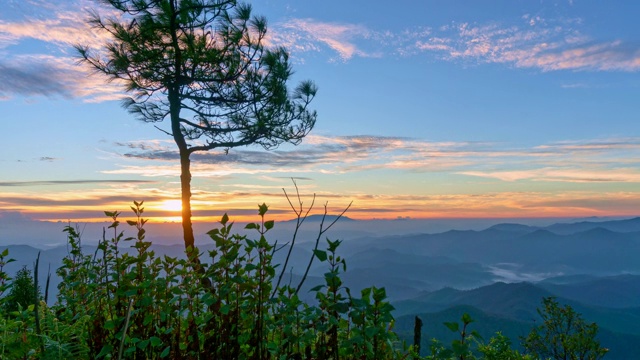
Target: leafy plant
x,y
499,348
22,292
470,345
563,334
124,303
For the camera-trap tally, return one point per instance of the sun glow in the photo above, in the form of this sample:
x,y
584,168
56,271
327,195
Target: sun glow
x,y
171,205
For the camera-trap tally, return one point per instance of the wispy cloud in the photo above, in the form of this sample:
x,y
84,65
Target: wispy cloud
x,y
599,160
593,145
533,44
64,28
528,42
48,158
302,35
73,182
575,175
52,70
317,150
51,76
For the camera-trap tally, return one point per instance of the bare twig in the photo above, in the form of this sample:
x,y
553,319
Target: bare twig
x,y
164,131
320,233
301,216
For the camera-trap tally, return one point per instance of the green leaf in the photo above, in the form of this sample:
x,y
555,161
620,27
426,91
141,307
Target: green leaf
x,y
365,294
143,344
225,219
459,348
342,307
370,331
262,209
165,352
453,326
106,350
333,245
379,294
224,309
155,341
251,226
466,319
320,254
109,325
269,224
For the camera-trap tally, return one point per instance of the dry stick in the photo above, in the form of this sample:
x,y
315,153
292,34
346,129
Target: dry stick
x,y
320,233
124,330
299,220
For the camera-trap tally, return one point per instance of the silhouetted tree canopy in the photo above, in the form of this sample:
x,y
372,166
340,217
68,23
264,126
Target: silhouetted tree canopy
x,y
203,66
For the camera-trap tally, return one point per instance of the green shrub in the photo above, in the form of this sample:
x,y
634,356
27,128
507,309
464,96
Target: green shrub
x,y
136,305
563,334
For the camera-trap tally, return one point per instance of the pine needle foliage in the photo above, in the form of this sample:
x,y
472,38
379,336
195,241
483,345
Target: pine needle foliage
x,y
204,67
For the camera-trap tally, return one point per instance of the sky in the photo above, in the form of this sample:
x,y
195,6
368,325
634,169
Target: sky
x,y
426,109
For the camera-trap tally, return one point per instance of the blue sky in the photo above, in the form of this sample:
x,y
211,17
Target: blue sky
x,y
425,109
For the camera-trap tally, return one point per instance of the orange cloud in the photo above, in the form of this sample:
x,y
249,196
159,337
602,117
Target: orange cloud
x,y
241,201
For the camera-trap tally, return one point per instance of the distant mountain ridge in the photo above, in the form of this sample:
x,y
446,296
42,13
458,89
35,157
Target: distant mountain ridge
x,y
518,301
317,218
619,291
595,247
622,226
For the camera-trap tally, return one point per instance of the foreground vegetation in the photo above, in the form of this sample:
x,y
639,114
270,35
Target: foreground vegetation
x,y
117,305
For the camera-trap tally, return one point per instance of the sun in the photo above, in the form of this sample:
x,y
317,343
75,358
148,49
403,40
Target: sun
x,y
171,205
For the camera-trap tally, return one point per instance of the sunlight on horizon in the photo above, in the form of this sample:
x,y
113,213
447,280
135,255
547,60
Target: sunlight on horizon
x,y
171,205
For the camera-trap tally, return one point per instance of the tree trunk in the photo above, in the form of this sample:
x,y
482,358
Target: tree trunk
x,y
185,169
175,106
185,186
